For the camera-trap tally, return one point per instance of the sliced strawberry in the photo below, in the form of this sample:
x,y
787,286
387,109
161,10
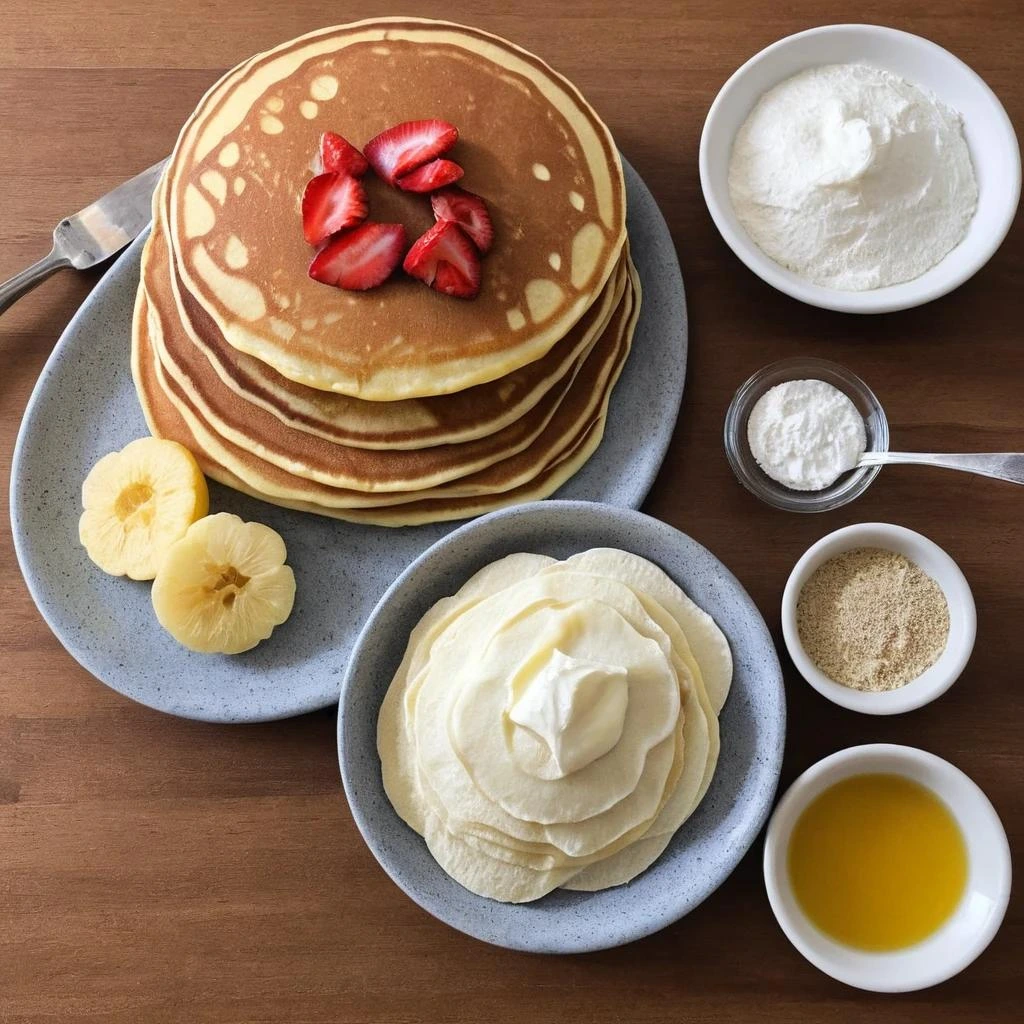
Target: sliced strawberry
x,y
331,202
409,145
431,176
340,156
445,259
360,259
467,210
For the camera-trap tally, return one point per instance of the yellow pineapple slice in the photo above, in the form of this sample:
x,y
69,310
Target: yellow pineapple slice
x,y
138,502
224,586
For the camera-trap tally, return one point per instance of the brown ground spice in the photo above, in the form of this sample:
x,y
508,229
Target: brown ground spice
x,y
872,620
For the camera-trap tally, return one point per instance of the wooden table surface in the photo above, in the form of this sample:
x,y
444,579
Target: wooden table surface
x,y
153,869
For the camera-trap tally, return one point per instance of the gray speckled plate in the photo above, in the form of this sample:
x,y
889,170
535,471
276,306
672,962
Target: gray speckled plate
x,y
709,845
85,406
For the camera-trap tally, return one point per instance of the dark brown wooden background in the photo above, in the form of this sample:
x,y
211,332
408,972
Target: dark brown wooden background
x,y
153,869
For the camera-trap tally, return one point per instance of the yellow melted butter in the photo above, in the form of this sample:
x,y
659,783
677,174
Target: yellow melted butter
x,y
877,862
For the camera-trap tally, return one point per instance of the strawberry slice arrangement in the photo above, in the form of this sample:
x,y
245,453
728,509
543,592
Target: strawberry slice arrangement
x,y
357,254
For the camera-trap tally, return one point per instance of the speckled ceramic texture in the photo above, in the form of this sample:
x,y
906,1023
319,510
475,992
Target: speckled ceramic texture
x,y
85,406
709,845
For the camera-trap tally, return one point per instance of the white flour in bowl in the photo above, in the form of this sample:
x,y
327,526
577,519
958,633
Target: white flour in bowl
x,y
852,177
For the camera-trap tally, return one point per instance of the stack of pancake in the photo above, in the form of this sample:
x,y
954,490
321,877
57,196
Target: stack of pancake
x,y
398,405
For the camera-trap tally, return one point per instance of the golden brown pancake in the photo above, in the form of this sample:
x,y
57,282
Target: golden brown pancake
x,y
170,415
530,145
367,470
280,481
410,423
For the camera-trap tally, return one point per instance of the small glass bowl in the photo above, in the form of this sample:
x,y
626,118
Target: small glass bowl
x,y
850,485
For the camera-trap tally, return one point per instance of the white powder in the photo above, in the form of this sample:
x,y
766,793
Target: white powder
x,y
852,177
805,434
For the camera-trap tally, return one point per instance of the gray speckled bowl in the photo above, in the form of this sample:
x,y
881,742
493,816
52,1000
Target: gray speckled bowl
x,y
708,846
85,406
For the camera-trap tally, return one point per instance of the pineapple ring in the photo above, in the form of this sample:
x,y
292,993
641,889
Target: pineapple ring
x,y
138,502
223,587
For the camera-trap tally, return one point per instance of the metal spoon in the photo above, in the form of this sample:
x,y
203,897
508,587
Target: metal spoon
x,y
1001,465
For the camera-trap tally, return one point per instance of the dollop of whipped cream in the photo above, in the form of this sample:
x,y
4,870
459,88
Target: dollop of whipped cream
x,y
576,707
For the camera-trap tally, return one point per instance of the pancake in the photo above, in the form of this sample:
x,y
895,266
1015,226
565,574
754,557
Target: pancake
x,y
562,433
310,456
373,471
165,421
411,423
167,418
530,145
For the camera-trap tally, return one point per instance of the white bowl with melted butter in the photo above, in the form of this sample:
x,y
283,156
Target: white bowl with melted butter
x,y
977,915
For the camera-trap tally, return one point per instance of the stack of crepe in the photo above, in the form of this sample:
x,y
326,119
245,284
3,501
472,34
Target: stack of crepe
x,y
398,405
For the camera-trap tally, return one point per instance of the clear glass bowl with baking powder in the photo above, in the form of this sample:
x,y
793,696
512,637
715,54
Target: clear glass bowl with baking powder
x,y
850,485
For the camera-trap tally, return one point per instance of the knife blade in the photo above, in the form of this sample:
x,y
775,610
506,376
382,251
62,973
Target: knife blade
x,y
93,234
109,224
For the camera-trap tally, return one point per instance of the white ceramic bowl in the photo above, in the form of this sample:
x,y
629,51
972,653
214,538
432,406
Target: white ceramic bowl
x,y
934,681
974,922
990,137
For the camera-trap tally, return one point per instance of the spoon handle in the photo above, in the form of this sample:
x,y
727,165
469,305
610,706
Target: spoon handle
x,y
1001,465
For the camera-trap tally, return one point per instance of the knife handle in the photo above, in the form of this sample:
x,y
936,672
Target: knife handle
x,y
12,290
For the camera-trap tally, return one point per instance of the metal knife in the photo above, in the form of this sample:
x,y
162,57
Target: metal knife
x,y
91,235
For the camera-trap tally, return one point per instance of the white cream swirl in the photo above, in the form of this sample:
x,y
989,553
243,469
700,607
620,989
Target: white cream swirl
x,y
575,708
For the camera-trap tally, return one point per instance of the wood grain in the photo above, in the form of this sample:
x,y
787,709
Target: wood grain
x,y
154,870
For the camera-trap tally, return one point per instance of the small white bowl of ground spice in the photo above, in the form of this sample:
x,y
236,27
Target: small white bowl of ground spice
x,y
878,618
